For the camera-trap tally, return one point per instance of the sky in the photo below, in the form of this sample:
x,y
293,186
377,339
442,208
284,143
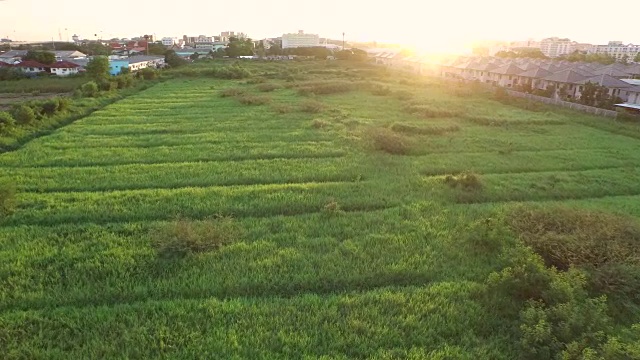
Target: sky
x,y
424,24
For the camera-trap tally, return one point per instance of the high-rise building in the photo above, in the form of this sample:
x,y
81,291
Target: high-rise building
x,y
554,47
300,40
168,41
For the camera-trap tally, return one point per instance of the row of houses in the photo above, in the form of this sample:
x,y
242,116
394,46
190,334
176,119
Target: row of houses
x,y
565,80
561,80
74,66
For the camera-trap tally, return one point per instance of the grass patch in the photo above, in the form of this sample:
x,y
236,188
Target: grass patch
x,y
184,237
267,87
403,95
467,181
326,87
417,130
283,108
253,99
232,92
319,124
428,111
383,139
381,90
7,199
311,106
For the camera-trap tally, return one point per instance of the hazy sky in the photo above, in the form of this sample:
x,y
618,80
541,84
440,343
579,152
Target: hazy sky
x,y
441,25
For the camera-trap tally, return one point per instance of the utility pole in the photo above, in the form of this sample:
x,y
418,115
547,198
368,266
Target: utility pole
x,y
343,41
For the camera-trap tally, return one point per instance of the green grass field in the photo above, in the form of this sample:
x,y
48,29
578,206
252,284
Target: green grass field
x,y
345,250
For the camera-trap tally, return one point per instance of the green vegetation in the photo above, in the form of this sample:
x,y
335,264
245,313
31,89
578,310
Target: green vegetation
x,y
319,210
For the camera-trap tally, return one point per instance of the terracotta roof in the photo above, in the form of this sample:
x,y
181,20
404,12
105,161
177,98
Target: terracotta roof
x,y
31,63
63,65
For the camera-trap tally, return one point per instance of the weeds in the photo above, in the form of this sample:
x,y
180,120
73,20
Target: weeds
x,y
380,90
326,87
267,87
467,181
7,199
253,99
311,106
430,111
319,124
231,92
431,130
386,140
184,237
283,108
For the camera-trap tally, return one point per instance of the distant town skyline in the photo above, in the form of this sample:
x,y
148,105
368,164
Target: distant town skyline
x,y
450,26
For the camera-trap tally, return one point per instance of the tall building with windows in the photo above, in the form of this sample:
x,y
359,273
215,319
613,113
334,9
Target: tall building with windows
x,y
617,49
300,40
168,41
554,47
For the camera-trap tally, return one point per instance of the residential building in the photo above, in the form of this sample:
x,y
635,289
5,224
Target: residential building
x,y
31,67
168,41
116,66
300,40
617,49
554,47
15,56
64,68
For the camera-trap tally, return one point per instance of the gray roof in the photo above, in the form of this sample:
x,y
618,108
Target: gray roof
x,y
537,72
568,76
58,54
612,71
606,80
510,69
142,58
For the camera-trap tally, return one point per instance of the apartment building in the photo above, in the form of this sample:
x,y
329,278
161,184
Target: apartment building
x,y
617,49
300,39
168,41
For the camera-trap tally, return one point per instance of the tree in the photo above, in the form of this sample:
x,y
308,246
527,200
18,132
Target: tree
x,y
275,49
194,56
95,48
637,58
352,55
157,49
172,59
98,68
43,57
624,59
239,47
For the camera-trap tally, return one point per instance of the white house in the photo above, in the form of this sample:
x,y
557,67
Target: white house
x,y
64,68
31,67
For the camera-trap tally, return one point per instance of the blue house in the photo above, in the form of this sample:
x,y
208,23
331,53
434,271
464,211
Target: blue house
x,y
116,66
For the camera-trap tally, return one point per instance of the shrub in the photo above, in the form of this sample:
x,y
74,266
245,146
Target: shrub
x,y
149,73
253,99
24,115
267,87
319,124
90,89
431,130
386,140
326,87
603,245
332,207
7,122
381,90
403,95
64,104
257,80
124,81
311,106
50,107
282,108
465,181
430,111
107,85
184,237
7,199
567,237
230,92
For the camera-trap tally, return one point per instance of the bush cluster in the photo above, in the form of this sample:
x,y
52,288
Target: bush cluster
x,y
326,87
248,99
184,237
428,111
386,140
429,130
231,92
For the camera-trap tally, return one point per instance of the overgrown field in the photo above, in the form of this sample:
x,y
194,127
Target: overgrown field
x,y
315,210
